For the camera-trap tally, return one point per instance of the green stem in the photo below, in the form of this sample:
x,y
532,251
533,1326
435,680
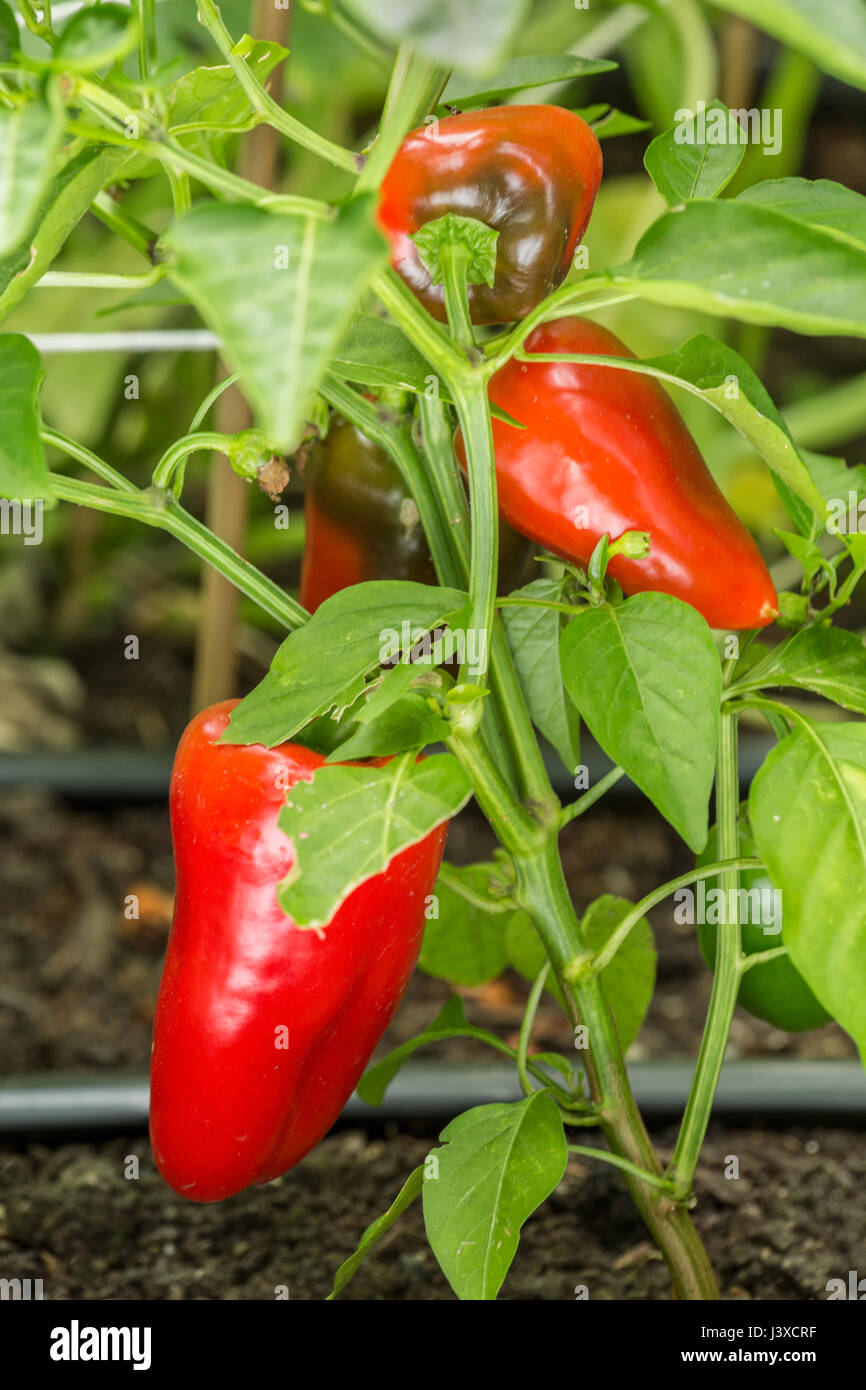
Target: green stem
x,y
624,1165
413,91
526,1026
235,188
94,280
583,803
514,828
261,101
118,220
473,412
544,894
761,958
77,451
159,510
457,883
658,895
209,399
568,608
424,332
176,453
455,264
147,52
726,973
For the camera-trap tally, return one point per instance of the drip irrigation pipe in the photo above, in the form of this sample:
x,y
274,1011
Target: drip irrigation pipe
x,y
770,1091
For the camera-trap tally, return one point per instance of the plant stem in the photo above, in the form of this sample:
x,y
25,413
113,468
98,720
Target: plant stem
x,y
726,973
90,460
262,102
118,220
425,333
94,280
543,892
455,263
158,509
583,803
658,895
178,452
415,87
147,55
526,1026
473,412
623,1164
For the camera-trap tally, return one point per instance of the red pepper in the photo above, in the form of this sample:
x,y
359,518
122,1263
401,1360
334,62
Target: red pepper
x,y
606,450
529,172
263,1029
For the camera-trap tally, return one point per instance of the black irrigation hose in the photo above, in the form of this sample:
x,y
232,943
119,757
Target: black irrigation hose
x,y
120,776
769,1091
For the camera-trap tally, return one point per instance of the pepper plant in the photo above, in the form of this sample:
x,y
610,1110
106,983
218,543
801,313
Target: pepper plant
x,y
313,319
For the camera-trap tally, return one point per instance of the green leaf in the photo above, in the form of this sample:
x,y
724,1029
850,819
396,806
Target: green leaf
x,y
499,1163
10,43
807,553
375,352
784,273
832,35
450,1022
30,137
473,38
67,197
24,473
533,636
519,74
408,724
628,980
697,158
324,663
348,823
816,202
807,807
607,121
465,944
95,36
410,1190
646,678
828,660
212,96
278,289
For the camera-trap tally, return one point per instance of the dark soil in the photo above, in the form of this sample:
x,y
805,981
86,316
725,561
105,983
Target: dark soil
x,y
78,1220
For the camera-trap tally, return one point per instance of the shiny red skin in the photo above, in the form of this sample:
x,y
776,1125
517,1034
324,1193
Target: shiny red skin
x,y
333,559
228,1108
530,172
606,450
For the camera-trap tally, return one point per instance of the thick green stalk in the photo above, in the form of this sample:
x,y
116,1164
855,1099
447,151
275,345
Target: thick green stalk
x,y
473,412
543,892
524,756
415,87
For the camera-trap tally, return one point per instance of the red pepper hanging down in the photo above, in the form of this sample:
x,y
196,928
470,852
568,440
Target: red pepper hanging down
x,y
606,450
362,524
262,1030
529,172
